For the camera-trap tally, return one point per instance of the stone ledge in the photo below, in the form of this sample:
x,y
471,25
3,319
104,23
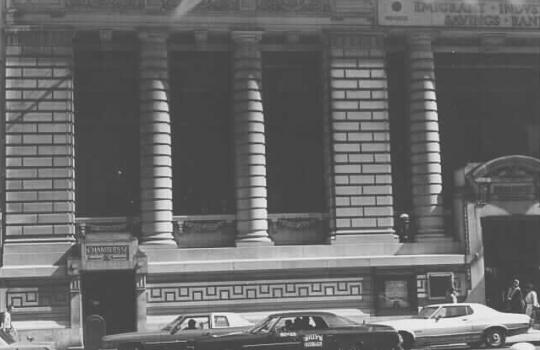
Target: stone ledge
x,y
276,258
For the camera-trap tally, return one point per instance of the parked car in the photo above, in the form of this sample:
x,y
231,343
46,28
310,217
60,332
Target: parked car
x,y
304,329
180,330
459,323
7,342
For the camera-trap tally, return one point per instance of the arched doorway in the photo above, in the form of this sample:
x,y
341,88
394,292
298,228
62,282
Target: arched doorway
x,y
501,224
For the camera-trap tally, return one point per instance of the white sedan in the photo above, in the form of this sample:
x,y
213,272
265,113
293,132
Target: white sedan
x,y
459,323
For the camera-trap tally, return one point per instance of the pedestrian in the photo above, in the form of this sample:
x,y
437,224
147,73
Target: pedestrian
x,y
452,295
514,298
531,301
7,325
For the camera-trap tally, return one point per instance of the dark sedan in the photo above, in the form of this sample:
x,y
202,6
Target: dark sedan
x,y
178,332
302,330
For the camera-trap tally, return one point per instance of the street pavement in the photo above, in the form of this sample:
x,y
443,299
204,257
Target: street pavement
x,y
532,337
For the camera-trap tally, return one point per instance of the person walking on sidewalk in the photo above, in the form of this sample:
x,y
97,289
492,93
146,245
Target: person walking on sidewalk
x,y
514,298
6,325
531,301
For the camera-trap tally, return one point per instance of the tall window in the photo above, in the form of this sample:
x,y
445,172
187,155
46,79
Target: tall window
x,y
201,121
488,107
399,132
294,131
106,133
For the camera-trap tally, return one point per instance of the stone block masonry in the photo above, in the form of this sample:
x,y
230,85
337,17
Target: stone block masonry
x,y
360,136
39,134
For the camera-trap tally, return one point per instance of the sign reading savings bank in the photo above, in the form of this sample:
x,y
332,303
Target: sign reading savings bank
x,y
518,14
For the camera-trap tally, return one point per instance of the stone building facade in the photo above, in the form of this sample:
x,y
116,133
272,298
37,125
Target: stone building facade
x,y
167,156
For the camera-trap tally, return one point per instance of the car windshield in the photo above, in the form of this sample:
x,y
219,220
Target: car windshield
x,y
6,338
173,325
264,325
427,311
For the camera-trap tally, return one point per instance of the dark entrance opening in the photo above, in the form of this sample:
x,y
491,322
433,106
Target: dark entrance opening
x,y
511,250
110,294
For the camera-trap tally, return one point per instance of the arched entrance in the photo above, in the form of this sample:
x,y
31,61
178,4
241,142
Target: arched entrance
x,y
501,224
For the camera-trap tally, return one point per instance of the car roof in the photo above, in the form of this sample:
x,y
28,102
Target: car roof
x,y
301,313
452,304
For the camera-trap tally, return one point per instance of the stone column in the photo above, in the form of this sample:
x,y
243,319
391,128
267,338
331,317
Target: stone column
x,y
155,133
425,151
250,149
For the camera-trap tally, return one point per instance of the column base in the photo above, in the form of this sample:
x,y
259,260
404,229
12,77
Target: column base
x,y
160,240
254,241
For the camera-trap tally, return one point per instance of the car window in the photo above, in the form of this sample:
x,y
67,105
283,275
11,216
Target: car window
x,y
194,322
469,310
454,311
5,338
221,322
428,311
264,325
300,323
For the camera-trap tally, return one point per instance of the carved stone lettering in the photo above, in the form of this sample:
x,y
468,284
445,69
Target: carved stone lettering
x,y
107,252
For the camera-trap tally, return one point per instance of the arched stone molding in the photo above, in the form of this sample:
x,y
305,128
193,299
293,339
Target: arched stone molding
x,y
514,177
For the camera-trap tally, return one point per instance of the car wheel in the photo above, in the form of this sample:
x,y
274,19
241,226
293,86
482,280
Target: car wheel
x,y
495,338
408,340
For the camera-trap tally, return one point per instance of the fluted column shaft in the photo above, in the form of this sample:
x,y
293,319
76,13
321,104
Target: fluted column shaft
x,y
155,133
425,149
250,149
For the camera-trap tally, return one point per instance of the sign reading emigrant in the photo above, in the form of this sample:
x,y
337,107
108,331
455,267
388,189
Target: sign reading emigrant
x,y
523,14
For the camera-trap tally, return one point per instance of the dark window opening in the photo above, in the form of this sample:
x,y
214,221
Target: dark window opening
x,y
488,108
399,132
106,133
201,122
292,94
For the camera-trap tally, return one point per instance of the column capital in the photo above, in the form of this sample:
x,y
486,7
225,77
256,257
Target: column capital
x,y
246,36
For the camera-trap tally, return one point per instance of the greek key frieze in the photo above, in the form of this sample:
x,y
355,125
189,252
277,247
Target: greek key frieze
x,y
260,290
37,297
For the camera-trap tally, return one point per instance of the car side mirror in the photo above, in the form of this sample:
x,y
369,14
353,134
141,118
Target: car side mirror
x,y
437,318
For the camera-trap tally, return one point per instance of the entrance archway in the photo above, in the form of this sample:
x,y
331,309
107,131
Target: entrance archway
x,y
111,295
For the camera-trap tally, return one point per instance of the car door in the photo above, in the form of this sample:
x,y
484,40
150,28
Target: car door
x,y
450,325
281,336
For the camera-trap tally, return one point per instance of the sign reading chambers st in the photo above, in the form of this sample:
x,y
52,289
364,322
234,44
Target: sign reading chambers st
x,y
107,252
522,14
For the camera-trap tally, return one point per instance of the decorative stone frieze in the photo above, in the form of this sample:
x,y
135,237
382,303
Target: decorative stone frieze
x,y
508,178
